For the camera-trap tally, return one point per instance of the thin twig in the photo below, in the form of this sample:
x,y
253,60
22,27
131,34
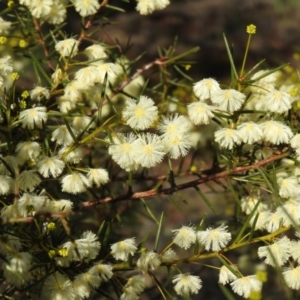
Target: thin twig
x,y
89,23
42,43
169,191
152,193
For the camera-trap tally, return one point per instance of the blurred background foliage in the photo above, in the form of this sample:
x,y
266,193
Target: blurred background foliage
x,y
203,22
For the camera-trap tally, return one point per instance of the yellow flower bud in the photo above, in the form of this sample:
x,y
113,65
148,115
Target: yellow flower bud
x,y
193,168
22,104
63,252
51,226
51,253
251,29
3,40
14,76
23,44
25,94
262,276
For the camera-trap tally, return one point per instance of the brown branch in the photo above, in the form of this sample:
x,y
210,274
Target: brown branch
x,y
111,40
158,61
89,23
193,183
151,193
42,43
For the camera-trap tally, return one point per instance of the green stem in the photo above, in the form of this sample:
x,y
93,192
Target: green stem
x,y
245,56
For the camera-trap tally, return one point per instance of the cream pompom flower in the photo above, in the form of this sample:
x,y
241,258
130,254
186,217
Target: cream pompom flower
x,y
40,8
250,132
226,276
295,141
129,293
292,277
103,270
294,250
278,101
145,7
9,244
4,26
168,256
175,135
121,250
50,166
86,77
137,283
62,136
84,283
109,70
228,138
248,203
123,151
276,132
228,100
32,117
35,202
67,47
11,164
74,183
28,150
58,286
20,262
98,176
185,236
57,14
39,93
200,113
133,288
204,88
149,150
72,93
5,65
148,260
276,254
186,284
173,125
214,238
6,185
28,180
62,205
73,157
87,7
289,213
262,79
95,51
140,115
87,246
245,285
288,187
177,145
272,222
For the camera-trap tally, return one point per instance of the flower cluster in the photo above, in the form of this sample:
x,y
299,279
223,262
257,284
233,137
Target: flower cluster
x,y
212,238
91,132
55,11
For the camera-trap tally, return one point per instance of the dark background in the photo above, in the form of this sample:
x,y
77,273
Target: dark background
x,y
203,22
